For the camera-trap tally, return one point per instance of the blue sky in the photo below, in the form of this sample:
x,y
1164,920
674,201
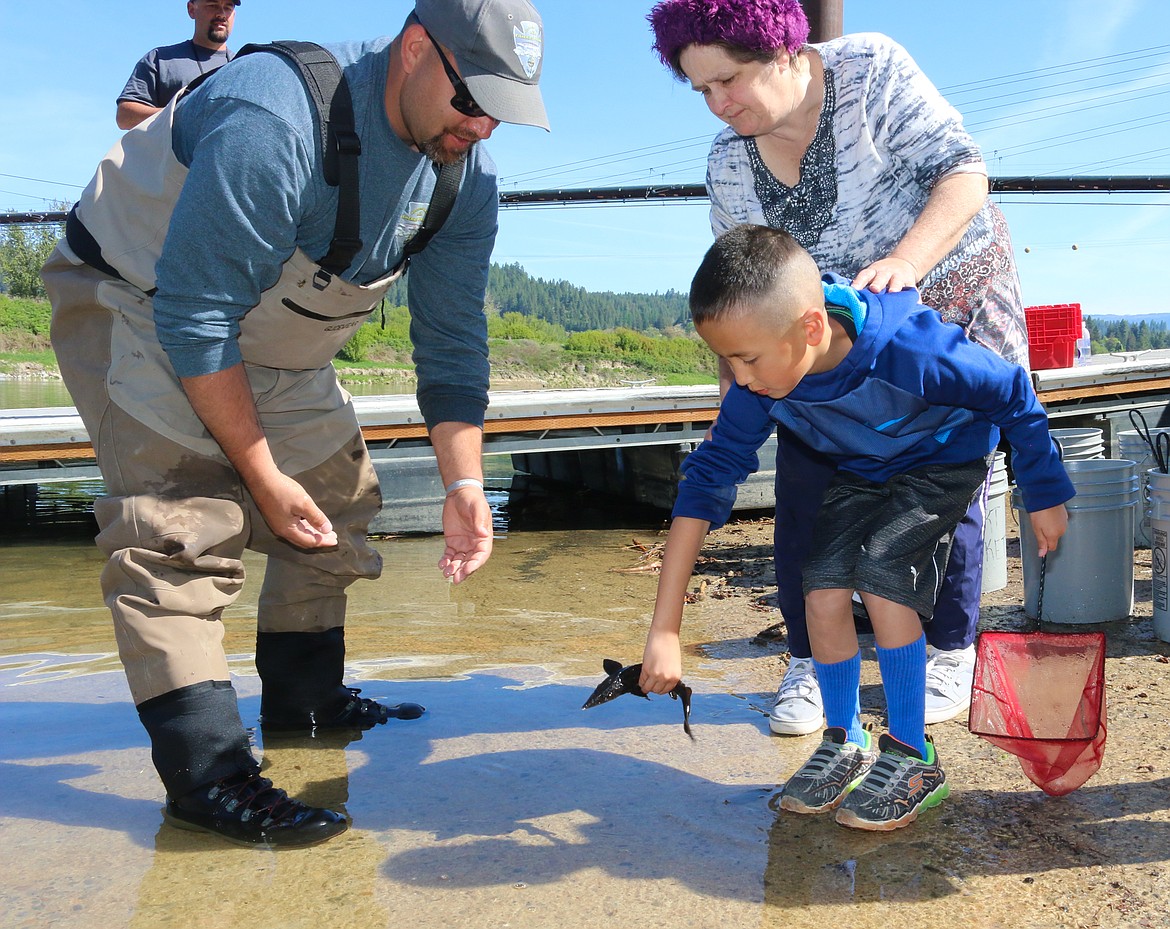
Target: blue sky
x,y
1054,87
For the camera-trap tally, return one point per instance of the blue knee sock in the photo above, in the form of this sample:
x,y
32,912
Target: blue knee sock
x,y
840,684
904,679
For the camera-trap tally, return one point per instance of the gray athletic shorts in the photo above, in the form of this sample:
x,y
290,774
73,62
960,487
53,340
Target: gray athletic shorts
x,y
893,539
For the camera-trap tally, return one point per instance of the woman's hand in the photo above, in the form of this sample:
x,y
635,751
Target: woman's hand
x,y
889,273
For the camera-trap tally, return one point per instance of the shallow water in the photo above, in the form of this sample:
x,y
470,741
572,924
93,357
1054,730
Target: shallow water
x,y
498,807
506,804
30,393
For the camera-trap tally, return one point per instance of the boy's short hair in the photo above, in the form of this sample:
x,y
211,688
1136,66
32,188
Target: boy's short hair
x,y
749,266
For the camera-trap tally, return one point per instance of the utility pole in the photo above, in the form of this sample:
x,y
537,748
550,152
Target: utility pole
x,y
826,19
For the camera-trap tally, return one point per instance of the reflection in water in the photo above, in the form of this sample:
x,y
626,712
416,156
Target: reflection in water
x,y
32,393
507,804
195,880
814,861
544,599
35,669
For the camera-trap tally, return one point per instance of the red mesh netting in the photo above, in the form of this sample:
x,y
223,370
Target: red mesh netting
x,y
1041,696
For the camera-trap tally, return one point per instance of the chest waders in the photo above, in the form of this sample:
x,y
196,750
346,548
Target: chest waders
x,y
167,549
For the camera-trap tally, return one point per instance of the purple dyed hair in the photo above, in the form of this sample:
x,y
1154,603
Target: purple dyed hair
x,y
750,26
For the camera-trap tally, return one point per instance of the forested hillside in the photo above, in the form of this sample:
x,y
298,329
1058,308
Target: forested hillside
x,y
511,289
1123,335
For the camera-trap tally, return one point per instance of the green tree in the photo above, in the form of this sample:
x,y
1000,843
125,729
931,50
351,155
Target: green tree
x,y
358,347
23,250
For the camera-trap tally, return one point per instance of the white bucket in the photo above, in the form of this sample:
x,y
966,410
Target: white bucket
x,y
1159,526
1131,445
1089,578
1079,444
995,571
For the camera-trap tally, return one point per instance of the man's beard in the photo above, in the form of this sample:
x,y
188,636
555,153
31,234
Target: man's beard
x,y
218,33
433,148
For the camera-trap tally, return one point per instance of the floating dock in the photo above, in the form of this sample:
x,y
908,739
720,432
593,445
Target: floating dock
x,y
626,441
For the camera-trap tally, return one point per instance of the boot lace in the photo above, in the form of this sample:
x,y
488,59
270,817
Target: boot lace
x,y
256,796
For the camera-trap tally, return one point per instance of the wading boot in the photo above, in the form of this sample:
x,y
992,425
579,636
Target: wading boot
x,y
213,783
303,692
245,809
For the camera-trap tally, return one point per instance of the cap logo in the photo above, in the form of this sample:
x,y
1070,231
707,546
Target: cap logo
x,y
527,48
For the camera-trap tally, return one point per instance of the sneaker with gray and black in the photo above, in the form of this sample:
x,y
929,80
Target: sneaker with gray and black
x,y
834,768
896,788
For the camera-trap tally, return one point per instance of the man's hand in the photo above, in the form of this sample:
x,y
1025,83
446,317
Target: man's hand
x,y
291,513
223,401
467,527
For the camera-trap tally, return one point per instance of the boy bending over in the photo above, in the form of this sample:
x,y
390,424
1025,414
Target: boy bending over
x,y
911,412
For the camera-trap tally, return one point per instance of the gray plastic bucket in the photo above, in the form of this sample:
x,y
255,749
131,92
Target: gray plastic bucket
x,y
1131,445
1158,483
1079,444
995,572
1089,578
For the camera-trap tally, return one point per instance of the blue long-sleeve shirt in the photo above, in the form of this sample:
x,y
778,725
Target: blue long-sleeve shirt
x,y
911,392
255,191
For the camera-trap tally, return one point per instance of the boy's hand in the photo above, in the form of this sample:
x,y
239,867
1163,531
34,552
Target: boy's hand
x,y
1049,525
661,663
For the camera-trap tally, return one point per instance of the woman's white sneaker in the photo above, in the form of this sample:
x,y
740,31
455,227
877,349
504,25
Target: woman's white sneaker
x,y
949,676
797,709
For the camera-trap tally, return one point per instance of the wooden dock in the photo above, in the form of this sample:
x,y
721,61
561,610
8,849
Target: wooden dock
x,y
551,420
525,420
625,440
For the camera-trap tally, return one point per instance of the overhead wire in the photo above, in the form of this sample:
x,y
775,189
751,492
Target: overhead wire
x,y
600,169
950,90
1058,105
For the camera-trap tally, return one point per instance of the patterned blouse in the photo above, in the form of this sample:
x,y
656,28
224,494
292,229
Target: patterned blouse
x,y
886,136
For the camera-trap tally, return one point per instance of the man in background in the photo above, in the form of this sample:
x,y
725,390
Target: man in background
x,y
164,71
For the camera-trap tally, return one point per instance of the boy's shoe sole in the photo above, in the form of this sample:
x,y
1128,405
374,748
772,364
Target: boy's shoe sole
x,y
822,782
795,727
895,789
853,821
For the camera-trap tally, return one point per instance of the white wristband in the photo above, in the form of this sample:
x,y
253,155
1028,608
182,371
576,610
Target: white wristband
x,y
464,482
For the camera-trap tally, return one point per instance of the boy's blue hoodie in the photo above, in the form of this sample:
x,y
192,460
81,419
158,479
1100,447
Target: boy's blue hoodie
x,y
912,392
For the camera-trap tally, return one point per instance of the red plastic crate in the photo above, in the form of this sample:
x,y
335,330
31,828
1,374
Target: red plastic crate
x,y
1046,323
1059,354
1053,332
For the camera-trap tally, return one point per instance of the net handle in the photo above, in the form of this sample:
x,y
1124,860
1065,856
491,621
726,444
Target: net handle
x,y
1038,625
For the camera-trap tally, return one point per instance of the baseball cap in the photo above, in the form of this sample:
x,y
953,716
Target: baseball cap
x,y
498,46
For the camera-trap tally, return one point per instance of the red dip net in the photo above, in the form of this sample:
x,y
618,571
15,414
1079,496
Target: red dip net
x,y
1041,697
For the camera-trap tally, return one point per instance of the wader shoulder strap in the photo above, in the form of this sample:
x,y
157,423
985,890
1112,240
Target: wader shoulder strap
x,y
442,199
330,92
341,146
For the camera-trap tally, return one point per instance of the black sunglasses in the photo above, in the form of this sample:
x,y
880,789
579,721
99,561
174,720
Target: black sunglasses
x,y
462,102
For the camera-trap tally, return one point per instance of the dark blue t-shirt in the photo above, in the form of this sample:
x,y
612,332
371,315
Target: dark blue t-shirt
x,y
163,72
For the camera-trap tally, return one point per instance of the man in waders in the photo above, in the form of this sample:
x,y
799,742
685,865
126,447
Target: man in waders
x,y
223,253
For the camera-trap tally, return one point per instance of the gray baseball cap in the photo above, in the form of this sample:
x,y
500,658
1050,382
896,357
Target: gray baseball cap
x,y
498,46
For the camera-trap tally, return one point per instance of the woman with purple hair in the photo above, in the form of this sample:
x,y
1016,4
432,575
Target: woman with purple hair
x,y
850,148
